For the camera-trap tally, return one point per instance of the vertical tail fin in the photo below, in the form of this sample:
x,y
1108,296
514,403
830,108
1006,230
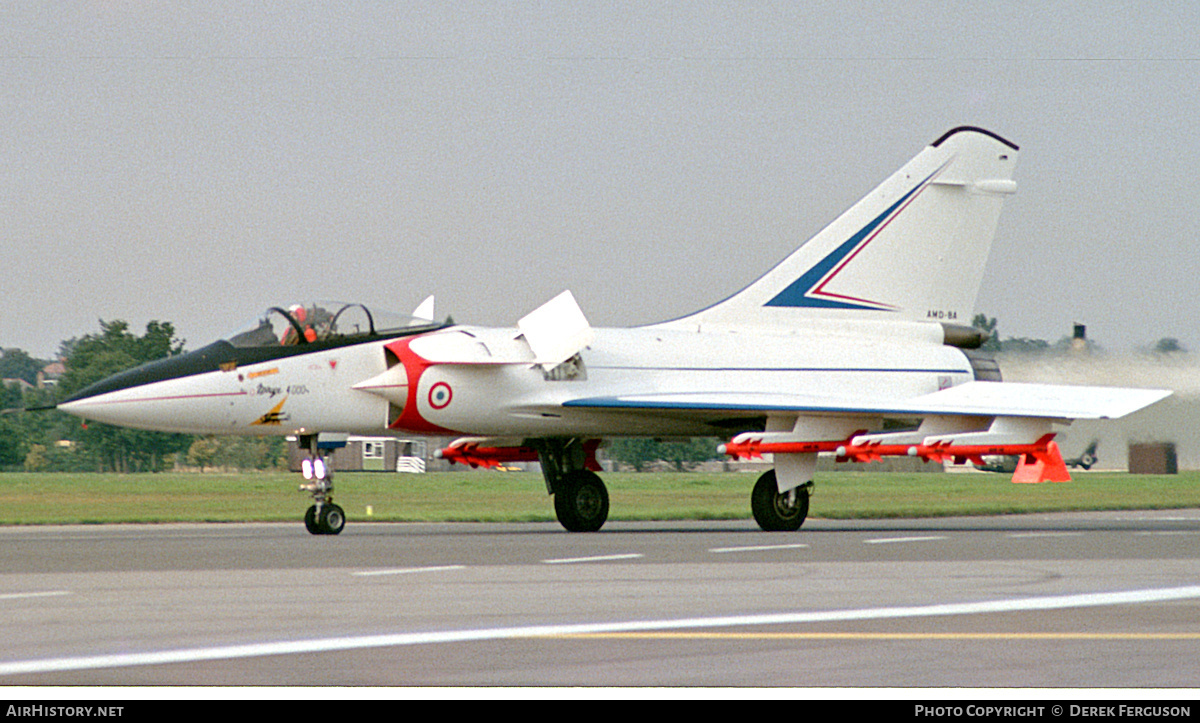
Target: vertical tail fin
x,y
914,247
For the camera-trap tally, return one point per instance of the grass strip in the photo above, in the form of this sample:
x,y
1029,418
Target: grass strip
x,y
488,496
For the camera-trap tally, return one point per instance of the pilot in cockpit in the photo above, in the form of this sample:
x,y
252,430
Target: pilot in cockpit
x,y
315,322
300,324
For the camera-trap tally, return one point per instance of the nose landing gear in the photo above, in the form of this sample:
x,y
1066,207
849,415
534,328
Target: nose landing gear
x,y
324,517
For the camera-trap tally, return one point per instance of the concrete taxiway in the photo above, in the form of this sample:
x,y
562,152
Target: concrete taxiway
x,y
1064,600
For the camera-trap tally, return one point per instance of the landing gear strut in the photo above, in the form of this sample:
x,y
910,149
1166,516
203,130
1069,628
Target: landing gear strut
x,y
324,517
580,497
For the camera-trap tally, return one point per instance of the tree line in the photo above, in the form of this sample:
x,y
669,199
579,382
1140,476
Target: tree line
x,y
1025,345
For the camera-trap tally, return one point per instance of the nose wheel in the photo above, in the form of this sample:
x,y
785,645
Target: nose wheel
x,y
323,517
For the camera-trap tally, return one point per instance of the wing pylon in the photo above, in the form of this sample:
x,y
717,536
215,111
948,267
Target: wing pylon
x,y
1039,460
490,453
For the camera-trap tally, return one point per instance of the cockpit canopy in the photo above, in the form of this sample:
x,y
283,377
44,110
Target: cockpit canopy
x,y
322,321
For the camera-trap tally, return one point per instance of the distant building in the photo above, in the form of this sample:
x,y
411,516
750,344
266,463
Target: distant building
x,y
19,382
1174,420
1079,338
50,374
370,454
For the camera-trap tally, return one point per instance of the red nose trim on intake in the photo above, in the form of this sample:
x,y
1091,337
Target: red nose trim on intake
x,y
410,419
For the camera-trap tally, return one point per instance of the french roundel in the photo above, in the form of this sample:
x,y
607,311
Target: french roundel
x,y
440,395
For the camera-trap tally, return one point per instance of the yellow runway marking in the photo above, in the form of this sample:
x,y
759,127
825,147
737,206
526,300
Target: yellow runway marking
x,y
876,636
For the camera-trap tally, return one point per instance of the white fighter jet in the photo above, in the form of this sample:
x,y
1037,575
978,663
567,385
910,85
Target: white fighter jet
x,y
855,345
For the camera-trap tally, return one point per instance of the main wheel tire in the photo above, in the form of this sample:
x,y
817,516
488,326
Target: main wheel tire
x,y
332,519
776,512
310,521
581,501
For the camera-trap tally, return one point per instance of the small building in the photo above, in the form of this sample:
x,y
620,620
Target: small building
x,y
369,454
50,374
1153,458
21,383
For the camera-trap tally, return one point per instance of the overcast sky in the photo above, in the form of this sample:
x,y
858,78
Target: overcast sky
x,y
195,162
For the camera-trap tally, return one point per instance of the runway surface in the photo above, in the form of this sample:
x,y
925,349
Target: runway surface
x,y
1064,600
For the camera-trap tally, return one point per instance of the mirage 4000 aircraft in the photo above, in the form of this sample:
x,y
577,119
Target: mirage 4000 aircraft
x,y
855,345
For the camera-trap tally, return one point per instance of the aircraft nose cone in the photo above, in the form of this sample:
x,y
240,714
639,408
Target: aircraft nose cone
x,y
115,399
89,408
89,396
195,362
114,383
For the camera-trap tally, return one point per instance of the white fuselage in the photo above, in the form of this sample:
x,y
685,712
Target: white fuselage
x,y
483,382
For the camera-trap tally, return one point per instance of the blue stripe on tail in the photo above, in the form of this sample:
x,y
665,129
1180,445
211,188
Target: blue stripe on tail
x,y
797,293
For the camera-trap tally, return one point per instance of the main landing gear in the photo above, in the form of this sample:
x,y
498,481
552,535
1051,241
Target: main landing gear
x,y
580,497
777,511
324,517
581,500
